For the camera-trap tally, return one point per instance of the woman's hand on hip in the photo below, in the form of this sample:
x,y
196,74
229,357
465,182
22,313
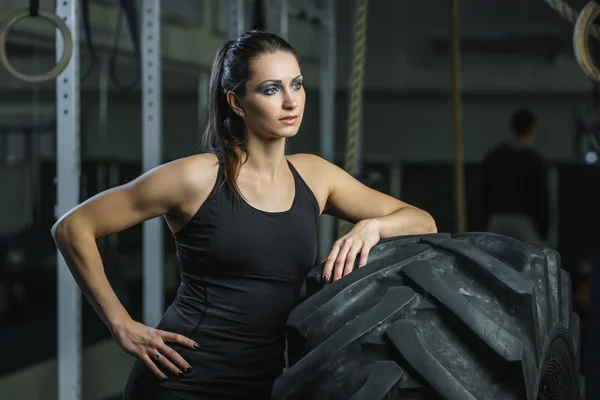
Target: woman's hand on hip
x,y
361,239
149,345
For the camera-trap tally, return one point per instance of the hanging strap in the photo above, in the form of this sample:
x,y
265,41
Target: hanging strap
x,y
258,16
129,8
34,8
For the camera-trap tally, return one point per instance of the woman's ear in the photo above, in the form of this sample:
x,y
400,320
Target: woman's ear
x,y
235,104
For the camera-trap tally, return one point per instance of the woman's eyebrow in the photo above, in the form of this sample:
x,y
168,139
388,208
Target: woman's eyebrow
x,y
277,80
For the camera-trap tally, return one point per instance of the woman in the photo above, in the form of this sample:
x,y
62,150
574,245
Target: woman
x,y
244,218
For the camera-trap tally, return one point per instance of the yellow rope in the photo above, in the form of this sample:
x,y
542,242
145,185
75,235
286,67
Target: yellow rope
x,y
459,174
584,27
356,94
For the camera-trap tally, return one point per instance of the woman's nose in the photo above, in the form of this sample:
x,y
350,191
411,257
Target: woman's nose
x,y
290,102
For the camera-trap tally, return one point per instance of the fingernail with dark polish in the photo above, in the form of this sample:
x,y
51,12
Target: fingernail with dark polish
x,y
164,378
180,373
188,369
196,346
325,279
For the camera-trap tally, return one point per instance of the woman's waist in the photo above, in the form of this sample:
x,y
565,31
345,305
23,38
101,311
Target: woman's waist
x,y
235,320
228,373
232,347
248,303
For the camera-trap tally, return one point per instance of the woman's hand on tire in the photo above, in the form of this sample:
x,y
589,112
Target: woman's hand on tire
x,y
360,240
150,346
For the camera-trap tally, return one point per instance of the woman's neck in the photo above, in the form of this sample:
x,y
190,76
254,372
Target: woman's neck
x,y
265,157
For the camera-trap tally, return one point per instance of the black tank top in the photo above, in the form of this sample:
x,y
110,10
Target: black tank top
x,y
241,272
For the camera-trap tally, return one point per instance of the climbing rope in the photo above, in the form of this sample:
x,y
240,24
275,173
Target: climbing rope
x,y
356,93
584,27
457,116
568,13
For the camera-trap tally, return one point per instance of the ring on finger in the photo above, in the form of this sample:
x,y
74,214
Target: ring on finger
x,y
156,356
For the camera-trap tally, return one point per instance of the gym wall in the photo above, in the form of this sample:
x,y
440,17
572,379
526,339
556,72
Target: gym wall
x,y
407,107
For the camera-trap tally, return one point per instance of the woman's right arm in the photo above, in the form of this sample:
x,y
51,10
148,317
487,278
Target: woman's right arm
x,y
163,190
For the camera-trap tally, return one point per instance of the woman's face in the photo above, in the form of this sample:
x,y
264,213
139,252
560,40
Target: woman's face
x,y
273,104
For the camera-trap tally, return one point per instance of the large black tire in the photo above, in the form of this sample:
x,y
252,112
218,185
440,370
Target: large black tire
x,y
463,317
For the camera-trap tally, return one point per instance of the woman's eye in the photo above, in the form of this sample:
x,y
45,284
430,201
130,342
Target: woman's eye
x,y
297,85
270,90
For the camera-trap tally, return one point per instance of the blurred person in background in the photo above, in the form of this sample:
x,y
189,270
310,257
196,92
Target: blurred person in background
x,y
515,184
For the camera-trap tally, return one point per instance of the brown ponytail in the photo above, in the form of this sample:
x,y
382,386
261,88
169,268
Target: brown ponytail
x,y
224,133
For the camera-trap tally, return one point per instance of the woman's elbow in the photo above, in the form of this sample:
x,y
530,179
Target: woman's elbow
x,y
429,225
66,228
61,230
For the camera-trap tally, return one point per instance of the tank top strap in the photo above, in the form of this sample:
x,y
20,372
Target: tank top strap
x,y
220,173
304,190
220,181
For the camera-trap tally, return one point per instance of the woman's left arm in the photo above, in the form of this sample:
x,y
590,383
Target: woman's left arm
x,y
375,214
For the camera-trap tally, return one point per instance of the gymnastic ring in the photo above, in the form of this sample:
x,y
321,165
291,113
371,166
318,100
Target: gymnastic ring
x,y
67,50
581,37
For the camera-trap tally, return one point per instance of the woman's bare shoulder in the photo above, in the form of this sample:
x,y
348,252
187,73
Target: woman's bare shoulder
x,y
196,177
309,164
307,160
314,171
196,173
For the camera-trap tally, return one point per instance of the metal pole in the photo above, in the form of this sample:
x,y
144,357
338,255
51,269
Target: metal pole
x,y
67,179
151,158
235,18
103,82
279,17
327,114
